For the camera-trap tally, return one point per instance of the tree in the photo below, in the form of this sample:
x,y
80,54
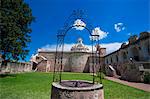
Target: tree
x,y
15,20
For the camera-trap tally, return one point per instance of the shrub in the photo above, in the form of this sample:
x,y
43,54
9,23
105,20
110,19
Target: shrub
x,y
147,77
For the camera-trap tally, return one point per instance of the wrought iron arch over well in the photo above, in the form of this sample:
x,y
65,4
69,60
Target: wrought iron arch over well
x,y
58,66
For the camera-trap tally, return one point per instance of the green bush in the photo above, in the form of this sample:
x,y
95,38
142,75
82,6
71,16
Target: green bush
x,y
147,77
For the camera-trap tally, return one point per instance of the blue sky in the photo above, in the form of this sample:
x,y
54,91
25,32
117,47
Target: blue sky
x,y
51,15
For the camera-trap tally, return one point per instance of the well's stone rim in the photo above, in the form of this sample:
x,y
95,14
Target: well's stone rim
x,y
93,87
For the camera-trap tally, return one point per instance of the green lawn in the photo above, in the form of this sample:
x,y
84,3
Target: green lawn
x,y
38,86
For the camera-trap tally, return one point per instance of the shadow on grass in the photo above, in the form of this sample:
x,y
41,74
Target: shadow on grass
x,y
7,75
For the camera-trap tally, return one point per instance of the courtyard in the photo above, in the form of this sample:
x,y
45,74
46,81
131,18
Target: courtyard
x,y
78,49
36,85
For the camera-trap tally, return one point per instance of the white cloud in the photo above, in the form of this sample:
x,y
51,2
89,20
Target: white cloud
x,y
129,34
110,47
119,27
98,31
48,47
79,24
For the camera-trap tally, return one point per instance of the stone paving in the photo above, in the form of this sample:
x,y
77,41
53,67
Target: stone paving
x,y
142,86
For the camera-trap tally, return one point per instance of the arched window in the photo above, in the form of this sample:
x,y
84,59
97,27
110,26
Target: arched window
x,y
117,58
135,54
148,49
111,60
124,55
107,61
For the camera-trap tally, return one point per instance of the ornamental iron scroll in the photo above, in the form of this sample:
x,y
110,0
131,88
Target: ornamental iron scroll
x,y
58,66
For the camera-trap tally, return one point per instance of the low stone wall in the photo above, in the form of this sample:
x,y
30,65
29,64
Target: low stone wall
x,y
132,71
129,71
61,91
110,71
16,67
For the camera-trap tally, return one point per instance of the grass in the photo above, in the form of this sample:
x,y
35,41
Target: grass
x,y
38,86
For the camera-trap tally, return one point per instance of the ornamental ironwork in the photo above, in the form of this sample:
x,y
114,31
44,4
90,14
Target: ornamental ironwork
x,y
69,24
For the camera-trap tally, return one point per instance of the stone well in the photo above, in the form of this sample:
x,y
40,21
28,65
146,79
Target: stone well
x,y
76,89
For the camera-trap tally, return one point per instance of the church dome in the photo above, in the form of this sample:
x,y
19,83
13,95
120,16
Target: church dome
x,y
80,47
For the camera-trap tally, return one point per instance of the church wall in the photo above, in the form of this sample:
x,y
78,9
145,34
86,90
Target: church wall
x,y
49,63
129,57
145,49
66,62
15,67
50,56
72,61
78,62
138,52
42,66
99,64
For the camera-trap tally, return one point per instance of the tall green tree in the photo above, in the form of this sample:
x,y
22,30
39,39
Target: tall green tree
x,y
15,20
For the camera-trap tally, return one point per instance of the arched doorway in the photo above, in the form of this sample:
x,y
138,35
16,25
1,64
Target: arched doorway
x,y
124,56
135,54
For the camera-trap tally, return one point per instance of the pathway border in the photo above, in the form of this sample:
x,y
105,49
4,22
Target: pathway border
x,y
142,86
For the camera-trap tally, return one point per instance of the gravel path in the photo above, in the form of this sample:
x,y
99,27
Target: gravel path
x,y
142,86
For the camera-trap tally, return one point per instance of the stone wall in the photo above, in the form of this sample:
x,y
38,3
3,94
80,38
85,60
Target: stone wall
x,y
60,91
131,73
72,62
137,50
78,62
122,60
16,67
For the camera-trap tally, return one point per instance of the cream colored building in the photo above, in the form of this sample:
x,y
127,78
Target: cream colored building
x,y
78,59
132,59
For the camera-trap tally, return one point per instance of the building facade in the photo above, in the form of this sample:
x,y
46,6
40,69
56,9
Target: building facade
x,y
78,59
132,59
129,62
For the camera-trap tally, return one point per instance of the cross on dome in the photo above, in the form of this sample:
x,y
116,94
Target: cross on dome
x,y
80,47
80,40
